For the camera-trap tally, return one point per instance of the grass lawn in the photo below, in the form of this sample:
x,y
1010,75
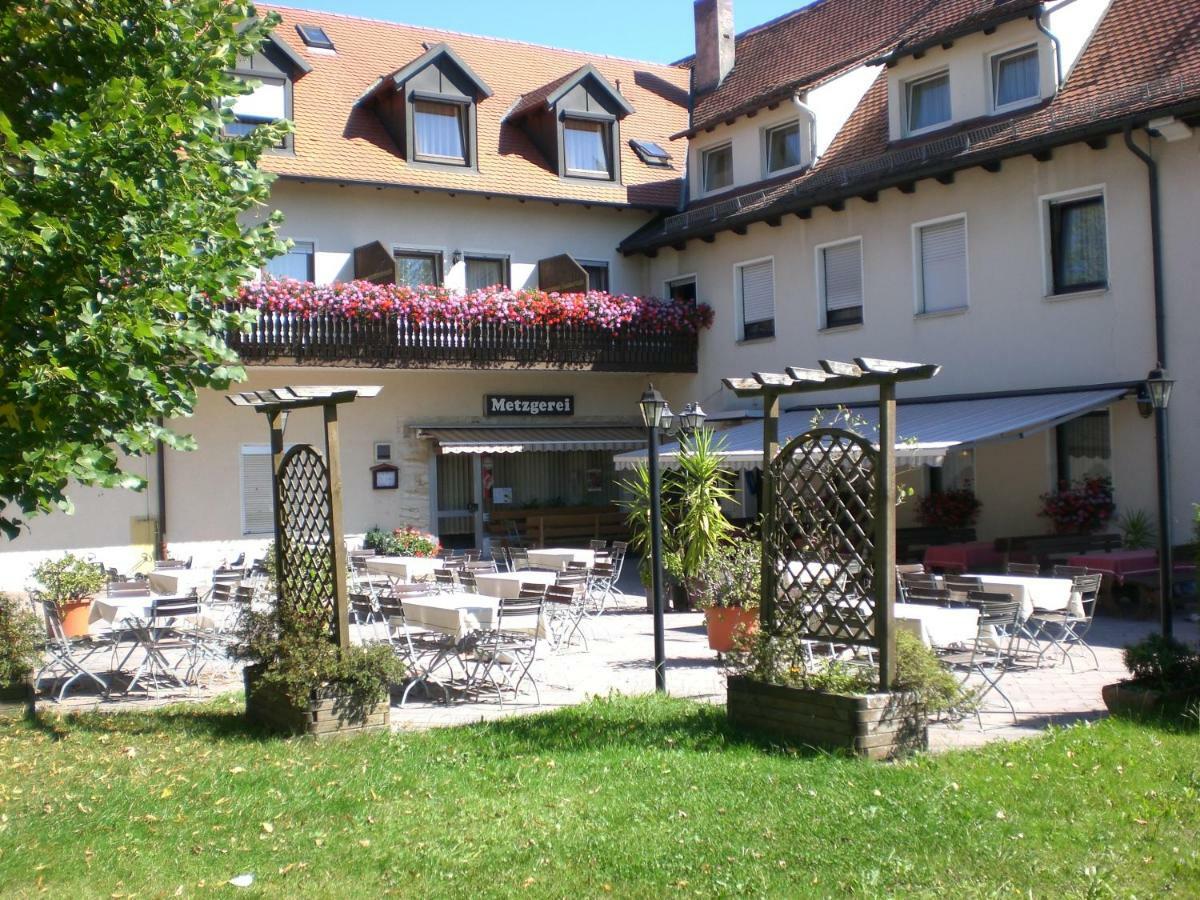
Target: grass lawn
x,y
628,797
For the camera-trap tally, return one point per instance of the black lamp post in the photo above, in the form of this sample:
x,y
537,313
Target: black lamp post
x,y
1158,391
658,419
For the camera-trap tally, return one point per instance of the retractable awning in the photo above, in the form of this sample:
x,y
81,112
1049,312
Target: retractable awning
x,y
926,430
533,439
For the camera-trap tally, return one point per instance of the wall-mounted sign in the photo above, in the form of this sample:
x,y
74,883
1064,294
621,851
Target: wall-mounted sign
x,y
523,405
502,496
385,477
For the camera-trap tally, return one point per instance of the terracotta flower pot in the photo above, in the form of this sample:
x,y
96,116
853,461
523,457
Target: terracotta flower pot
x,y
726,623
75,617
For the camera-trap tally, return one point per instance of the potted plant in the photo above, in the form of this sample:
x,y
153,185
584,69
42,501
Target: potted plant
x,y
70,582
954,510
298,680
1164,678
728,585
406,541
20,638
1081,508
776,686
1137,530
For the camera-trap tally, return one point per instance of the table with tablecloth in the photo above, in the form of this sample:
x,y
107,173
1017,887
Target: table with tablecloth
x,y
404,568
1034,592
457,614
938,626
507,585
180,581
963,557
557,557
1122,564
133,616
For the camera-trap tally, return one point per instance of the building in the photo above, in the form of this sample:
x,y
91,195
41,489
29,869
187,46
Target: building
x,y
955,181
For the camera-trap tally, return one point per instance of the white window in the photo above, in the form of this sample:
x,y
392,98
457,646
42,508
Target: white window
x,y
1078,243
756,295
840,283
782,147
586,145
1015,78
597,273
297,263
486,271
717,166
927,102
941,255
416,268
257,500
439,132
682,289
267,102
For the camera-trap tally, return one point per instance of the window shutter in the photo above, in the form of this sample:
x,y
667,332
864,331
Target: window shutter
x,y
257,501
944,266
758,292
373,262
561,273
843,276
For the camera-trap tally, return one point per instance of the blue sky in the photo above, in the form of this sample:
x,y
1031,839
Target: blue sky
x,y
654,30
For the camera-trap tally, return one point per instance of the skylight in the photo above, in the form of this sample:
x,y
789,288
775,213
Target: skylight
x,y
315,36
650,153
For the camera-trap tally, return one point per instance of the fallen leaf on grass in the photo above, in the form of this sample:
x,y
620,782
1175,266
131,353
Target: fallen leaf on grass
x,y
268,827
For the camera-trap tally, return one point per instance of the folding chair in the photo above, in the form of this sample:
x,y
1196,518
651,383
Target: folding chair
x,y
1068,628
565,609
960,586
518,559
422,652
445,581
1020,568
991,654
506,653
67,655
1061,571
597,545
599,587
910,569
466,582
928,596
911,581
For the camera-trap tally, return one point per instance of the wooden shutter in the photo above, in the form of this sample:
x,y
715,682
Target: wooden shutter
x,y
758,292
843,276
944,266
257,500
373,262
561,273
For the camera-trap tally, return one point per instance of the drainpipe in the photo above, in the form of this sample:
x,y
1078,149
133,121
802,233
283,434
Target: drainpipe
x,y
1041,26
807,110
160,461
1161,445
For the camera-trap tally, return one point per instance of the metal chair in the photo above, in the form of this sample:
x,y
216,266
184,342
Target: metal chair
x,y
1020,568
518,559
444,581
599,587
67,655
910,569
565,609
1061,571
919,581
466,582
1068,628
960,586
991,655
505,654
928,596
423,653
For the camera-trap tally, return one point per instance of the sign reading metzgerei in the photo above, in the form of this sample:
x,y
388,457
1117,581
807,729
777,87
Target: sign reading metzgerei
x,y
524,405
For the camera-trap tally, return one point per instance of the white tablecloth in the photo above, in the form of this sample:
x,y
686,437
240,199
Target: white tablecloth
x,y
938,626
117,611
458,614
404,568
1035,593
558,557
180,581
508,584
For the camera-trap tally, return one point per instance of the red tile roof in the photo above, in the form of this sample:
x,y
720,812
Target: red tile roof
x,y
334,140
1136,65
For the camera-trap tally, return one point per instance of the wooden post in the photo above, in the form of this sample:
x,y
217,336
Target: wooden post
x,y
341,610
767,499
885,537
277,426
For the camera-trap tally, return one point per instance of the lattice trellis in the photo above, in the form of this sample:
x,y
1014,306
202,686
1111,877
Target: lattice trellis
x,y
820,537
306,540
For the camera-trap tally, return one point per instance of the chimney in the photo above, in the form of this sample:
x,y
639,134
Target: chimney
x,y
714,43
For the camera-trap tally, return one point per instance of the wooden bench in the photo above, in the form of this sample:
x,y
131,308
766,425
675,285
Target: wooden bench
x,y
1047,549
561,526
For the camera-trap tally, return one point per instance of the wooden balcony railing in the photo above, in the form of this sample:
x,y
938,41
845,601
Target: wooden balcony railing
x,y
398,342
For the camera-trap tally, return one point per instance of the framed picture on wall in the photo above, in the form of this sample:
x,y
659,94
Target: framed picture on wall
x,y
594,481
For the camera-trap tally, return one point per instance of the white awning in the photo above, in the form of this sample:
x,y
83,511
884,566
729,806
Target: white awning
x,y
926,430
516,439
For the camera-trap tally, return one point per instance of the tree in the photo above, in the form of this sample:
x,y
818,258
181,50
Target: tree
x,y
121,232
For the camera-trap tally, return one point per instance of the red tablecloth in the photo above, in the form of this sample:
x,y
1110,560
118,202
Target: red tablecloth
x,y
1122,564
967,557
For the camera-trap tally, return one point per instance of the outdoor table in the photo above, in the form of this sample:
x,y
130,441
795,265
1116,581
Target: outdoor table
x,y
1122,564
135,616
938,626
456,614
558,557
963,557
507,585
1034,592
404,568
180,581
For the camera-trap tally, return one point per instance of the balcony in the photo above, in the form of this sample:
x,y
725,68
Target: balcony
x,y
358,324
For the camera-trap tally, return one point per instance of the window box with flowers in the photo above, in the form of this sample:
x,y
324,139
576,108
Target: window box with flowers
x,y
955,509
1082,508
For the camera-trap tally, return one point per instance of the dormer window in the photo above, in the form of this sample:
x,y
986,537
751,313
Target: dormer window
x,y
270,72
429,108
575,121
782,145
265,104
928,102
439,132
1015,78
587,145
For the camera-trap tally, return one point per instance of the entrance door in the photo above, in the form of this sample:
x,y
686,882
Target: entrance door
x,y
457,506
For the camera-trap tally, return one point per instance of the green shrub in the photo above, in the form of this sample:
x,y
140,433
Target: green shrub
x,y
406,541
20,638
1137,530
731,576
1163,664
68,579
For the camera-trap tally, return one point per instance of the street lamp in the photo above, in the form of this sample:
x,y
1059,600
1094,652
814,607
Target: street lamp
x,y
658,419
1158,392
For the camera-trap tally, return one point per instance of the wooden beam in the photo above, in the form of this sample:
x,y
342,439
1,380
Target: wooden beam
x,y
333,464
992,165
739,229
773,221
798,374
871,196
945,178
708,238
679,245
650,253
837,205
833,367
742,386
770,446
1044,155
772,379
804,214
1098,143
907,187
885,538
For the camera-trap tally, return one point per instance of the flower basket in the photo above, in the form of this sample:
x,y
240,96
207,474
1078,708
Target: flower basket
x,y
1083,508
876,726
329,712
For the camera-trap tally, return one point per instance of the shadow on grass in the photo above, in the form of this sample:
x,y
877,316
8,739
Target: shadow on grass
x,y
218,720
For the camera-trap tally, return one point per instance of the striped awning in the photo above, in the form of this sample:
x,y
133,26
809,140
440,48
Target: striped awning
x,y
533,439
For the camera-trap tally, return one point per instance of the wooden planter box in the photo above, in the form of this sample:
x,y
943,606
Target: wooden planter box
x,y
329,712
1127,699
877,726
